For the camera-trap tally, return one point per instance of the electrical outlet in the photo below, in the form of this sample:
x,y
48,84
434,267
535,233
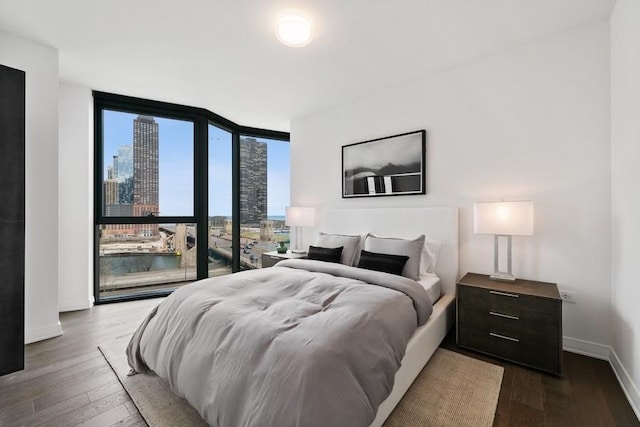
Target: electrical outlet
x,y
568,296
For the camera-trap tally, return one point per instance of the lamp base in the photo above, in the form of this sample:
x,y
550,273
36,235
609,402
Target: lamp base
x,y
503,277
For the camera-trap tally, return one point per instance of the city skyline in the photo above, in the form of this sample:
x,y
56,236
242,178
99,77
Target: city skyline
x,y
175,148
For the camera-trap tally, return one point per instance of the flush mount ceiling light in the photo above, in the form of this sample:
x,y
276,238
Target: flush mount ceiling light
x,y
294,29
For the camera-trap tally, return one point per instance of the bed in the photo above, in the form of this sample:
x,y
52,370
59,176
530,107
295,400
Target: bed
x,y
439,223
221,349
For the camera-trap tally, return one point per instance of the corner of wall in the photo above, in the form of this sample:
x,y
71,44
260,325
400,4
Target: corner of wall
x,y
628,387
75,195
603,352
40,64
42,333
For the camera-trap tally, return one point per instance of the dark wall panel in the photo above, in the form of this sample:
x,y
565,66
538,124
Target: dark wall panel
x,y
12,189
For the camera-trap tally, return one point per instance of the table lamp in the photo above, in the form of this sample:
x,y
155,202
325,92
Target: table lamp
x,y
296,216
503,219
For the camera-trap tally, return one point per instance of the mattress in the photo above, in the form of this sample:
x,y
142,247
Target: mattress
x,y
431,283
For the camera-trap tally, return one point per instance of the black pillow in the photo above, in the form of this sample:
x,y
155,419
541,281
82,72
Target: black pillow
x,y
386,263
325,254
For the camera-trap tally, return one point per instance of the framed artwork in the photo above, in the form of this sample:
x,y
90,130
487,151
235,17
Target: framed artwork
x,y
390,166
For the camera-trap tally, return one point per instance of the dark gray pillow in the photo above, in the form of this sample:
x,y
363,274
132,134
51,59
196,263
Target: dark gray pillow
x,y
324,254
395,246
349,242
382,262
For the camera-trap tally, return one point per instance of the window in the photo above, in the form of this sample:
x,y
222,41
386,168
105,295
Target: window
x,y
148,165
142,258
264,194
169,176
147,174
220,177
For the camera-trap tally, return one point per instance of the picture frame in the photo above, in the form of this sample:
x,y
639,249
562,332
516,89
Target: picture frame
x,y
388,166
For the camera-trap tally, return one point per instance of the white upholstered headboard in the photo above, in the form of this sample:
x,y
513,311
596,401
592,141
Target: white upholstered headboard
x,y
438,223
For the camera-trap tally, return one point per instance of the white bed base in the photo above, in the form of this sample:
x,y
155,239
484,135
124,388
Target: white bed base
x,y
439,223
419,350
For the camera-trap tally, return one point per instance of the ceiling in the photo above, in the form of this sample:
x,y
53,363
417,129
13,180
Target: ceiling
x,y
223,55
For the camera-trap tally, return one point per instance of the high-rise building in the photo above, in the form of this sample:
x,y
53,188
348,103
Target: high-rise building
x,y
114,168
123,172
113,203
132,184
110,191
125,162
145,170
253,181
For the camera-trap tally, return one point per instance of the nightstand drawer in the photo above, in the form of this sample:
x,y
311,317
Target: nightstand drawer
x,y
513,304
541,352
505,324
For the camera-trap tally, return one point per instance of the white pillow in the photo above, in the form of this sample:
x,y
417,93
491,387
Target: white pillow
x,y
430,254
356,258
349,243
394,246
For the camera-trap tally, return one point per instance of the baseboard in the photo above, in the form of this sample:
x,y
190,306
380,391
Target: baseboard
x,y
74,305
586,348
628,387
46,332
607,353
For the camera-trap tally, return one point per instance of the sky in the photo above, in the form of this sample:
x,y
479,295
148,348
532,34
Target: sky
x,y
176,165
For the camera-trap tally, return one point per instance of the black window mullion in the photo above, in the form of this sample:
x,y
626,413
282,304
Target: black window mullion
x,y
97,195
201,197
147,219
235,204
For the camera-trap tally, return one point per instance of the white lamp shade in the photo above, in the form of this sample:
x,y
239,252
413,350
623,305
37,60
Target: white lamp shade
x,y
503,218
299,217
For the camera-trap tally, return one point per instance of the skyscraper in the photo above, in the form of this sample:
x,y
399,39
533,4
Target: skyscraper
x,y
114,205
145,166
253,181
132,184
125,162
145,171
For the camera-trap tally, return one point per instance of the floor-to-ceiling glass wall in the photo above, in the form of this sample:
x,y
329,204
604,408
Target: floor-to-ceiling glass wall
x,y
220,203
147,174
264,195
170,176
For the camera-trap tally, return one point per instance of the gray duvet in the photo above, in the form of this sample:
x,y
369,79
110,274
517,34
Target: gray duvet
x,y
304,343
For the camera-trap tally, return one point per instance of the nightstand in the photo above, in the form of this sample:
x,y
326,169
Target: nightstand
x,y
269,259
520,322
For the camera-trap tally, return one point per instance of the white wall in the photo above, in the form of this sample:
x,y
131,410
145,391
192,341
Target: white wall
x,y
41,219
531,123
75,160
625,197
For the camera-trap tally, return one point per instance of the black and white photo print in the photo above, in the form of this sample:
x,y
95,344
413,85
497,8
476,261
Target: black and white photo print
x,y
390,166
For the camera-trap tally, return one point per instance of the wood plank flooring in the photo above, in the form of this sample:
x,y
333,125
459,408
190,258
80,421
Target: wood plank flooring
x,y
67,382
587,394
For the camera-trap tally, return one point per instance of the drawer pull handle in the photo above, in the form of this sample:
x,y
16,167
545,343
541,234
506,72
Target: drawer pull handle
x,y
507,316
504,337
504,294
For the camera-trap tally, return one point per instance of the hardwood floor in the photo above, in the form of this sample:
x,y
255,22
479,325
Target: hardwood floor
x,y
67,382
587,394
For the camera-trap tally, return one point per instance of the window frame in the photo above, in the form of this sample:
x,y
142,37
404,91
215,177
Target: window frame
x,y
201,119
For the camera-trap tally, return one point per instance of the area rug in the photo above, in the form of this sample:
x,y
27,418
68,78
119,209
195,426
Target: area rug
x,y
452,390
